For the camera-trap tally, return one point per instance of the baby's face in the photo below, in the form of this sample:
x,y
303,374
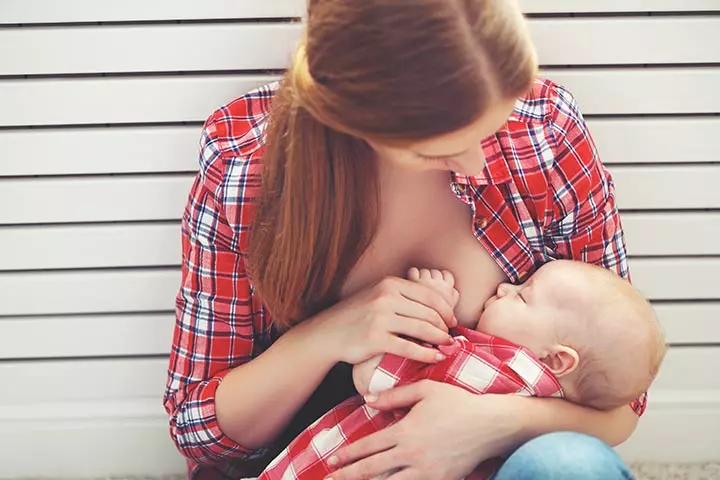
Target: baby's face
x,y
529,314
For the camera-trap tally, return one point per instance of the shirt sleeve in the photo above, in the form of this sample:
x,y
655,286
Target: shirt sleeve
x,y
586,222
216,322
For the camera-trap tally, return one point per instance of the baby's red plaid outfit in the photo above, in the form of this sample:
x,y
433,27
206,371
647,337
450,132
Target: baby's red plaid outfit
x,y
477,362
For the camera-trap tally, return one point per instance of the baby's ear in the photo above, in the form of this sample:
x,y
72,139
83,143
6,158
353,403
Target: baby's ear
x,y
561,360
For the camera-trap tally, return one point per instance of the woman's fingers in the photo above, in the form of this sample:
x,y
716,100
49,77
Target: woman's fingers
x,y
423,331
418,311
373,446
429,297
405,396
405,474
413,351
368,468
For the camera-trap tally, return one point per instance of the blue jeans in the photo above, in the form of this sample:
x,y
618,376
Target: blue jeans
x,y
564,456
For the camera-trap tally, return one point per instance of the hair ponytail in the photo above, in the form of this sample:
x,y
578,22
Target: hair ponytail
x,y
317,212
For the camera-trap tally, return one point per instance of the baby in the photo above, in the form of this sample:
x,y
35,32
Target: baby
x,y
595,333
572,330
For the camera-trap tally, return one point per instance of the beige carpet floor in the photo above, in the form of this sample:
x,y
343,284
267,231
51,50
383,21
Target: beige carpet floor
x,y
649,471
700,471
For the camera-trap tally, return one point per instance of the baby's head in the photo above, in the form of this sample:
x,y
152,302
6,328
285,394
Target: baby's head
x,y
594,331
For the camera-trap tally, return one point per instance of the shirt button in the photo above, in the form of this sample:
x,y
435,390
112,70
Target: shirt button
x,y
481,222
522,276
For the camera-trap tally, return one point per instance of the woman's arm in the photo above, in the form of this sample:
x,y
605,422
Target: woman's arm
x,y
539,416
281,379
221,397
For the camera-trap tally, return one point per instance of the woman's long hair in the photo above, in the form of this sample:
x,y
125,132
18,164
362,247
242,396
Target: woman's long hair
x,y
384,70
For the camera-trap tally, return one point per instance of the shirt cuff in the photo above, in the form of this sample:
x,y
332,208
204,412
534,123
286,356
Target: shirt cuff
x,y
640,405
197,433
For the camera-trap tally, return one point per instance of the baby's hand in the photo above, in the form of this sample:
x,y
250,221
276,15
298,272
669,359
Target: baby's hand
x,y
442,281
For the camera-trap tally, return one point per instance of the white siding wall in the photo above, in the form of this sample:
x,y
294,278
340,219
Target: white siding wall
x,y
100,109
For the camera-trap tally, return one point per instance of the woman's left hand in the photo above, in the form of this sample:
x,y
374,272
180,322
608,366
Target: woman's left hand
x,y
446,434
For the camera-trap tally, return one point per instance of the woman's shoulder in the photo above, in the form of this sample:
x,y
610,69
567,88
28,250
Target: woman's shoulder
x,y
231,147
544,125
238,128
545,146
548,105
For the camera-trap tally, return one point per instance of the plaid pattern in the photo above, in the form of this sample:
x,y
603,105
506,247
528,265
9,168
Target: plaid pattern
x,y
476,362
544,195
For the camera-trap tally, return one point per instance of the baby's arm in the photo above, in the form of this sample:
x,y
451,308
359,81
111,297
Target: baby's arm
x,y
444,282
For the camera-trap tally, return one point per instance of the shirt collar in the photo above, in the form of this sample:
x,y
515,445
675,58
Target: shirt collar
x,y
496,169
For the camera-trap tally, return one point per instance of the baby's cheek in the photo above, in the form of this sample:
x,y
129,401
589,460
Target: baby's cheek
x,y
496,325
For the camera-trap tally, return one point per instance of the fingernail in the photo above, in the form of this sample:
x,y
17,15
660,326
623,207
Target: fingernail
x,y
370,398
440,357
333,461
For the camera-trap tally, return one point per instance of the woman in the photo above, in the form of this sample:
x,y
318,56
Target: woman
x,y
395,140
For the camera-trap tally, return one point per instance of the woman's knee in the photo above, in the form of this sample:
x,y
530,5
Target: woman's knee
x,y
564,455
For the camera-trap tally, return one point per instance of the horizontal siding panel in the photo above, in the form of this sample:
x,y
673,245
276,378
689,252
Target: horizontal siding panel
x,y
107,291
696,322
125,445
174,149
655,140
95,199
598,41
140,48
113,380
101,199
59,11
611,6
158,244
667,187
120,100
643,91
193,98
685,368
118,335
164,48
89,246
677,278
686,233
86,336
99,150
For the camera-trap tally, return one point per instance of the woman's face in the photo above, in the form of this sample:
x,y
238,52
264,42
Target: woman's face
x,y
459,151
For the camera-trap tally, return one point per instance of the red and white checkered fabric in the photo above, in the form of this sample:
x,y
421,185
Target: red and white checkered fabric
x,y
477,362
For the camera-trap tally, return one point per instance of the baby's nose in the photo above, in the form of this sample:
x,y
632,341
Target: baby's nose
x,y
505,289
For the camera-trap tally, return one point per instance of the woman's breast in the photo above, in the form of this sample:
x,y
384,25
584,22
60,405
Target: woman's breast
x,y
435,234
477,275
